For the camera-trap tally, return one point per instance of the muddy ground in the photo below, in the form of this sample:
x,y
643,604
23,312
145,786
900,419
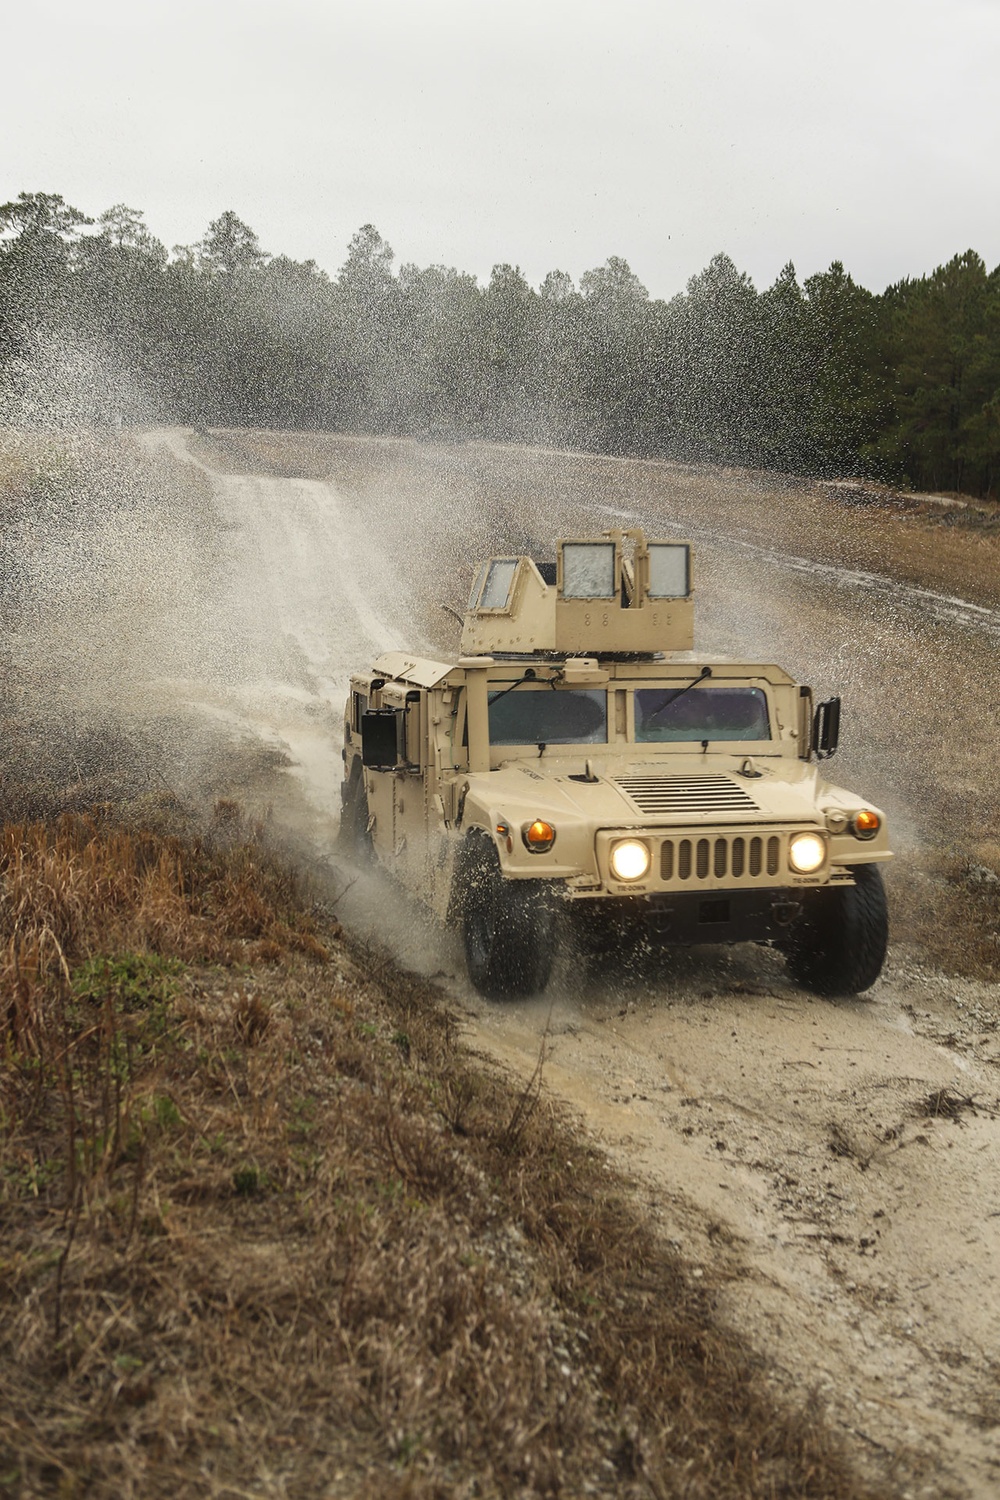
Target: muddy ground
x,y
832,1168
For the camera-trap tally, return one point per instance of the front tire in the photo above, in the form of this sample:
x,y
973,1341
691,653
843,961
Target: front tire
x,y
839,945
508,927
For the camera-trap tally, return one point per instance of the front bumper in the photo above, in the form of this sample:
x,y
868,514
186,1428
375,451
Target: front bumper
x,y
689,918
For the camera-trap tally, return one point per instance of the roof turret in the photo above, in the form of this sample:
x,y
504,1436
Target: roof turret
x,y
614,594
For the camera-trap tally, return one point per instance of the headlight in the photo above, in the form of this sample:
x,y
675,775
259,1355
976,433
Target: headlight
x,y
806,852
865,824
630,860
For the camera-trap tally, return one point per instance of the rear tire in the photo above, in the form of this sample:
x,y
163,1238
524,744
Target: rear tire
x,y
354,838
838,947
508,927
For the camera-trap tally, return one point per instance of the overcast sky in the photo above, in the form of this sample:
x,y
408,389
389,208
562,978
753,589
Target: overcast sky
x,y
547,133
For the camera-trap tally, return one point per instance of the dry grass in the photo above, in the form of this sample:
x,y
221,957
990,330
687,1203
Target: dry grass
x,y
90,883
269,1230
973,893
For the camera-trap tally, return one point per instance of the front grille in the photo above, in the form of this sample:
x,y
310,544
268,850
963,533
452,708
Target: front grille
x,y
662,795
737,857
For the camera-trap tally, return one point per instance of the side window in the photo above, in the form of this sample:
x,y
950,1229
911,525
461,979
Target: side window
x,y
359,704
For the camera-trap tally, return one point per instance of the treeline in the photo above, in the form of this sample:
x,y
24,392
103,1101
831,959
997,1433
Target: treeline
x,y
818,377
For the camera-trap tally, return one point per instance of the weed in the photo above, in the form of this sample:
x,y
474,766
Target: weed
x,y
248,1181
510,1138
136,981
457,1099
944,1104
164,1113
251,1017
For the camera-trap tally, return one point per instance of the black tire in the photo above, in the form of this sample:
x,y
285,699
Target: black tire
x,y
354,838
508,926
839,946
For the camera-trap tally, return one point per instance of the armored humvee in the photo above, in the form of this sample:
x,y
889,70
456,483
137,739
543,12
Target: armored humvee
x,y
578,760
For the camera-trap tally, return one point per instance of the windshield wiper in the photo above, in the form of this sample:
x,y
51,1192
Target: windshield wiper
x,y
530,675
705,672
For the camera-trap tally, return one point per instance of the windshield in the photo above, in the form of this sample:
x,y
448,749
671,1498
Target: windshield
x,y
703,713
539,715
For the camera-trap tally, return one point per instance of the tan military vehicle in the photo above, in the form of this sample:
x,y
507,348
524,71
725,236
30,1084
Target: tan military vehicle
x,y
576,760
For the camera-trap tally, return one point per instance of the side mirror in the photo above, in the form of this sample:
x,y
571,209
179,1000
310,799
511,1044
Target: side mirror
x,y
380,736
826,729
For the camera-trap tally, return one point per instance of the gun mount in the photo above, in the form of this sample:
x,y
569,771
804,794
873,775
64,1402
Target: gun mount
x,y
600,598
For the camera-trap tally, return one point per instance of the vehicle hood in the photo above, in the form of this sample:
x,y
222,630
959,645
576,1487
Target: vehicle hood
x,y
687,791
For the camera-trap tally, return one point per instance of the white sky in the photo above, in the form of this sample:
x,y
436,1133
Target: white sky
x,y
547,133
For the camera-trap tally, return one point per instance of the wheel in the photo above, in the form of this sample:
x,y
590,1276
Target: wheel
x,y
354,838
838,946
508,927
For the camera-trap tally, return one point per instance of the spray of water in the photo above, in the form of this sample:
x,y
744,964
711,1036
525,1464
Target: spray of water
x,y
172,609
99,549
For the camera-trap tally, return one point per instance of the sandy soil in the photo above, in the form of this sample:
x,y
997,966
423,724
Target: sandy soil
x,y
832,1168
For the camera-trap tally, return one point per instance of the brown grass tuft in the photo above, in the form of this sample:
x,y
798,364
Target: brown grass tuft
x,y
950,908
87,883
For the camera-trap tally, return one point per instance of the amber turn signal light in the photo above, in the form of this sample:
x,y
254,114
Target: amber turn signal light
x,y
865,824
538,836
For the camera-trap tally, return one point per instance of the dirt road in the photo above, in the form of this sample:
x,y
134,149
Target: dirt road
x,y
832,1168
